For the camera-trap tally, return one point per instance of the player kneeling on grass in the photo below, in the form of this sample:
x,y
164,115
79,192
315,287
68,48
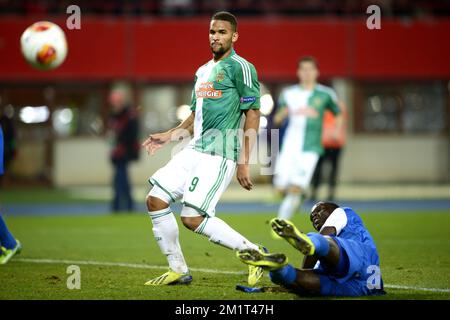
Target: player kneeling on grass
x,y
340,260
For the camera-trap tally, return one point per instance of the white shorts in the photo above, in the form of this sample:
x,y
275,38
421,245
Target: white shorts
x,y
197,179
295,168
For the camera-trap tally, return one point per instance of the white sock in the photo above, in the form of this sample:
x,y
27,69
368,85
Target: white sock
x,y
290,204
219,232
165,230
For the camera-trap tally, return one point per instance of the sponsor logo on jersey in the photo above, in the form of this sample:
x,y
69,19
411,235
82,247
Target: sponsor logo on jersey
x,y
206,90
248,99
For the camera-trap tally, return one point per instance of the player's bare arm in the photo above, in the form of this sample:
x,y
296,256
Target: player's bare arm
x,y
339,121
281,115
251,127
158,140
308,111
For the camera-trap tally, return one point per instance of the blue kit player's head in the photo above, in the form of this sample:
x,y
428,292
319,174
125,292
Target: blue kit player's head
x,y
320,213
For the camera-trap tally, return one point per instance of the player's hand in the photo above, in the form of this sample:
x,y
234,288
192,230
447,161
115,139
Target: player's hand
x,y
335,135
307,112
243,176
156,141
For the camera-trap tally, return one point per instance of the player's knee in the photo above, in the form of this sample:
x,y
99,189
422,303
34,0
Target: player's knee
x,y
157,199
155,204
192,223
294,189
307,283
191,218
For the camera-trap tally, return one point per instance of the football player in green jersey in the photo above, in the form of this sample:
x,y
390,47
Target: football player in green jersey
x,y
226,87
304,104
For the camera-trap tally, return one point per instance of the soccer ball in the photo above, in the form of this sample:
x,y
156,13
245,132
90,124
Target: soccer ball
x,y
44,45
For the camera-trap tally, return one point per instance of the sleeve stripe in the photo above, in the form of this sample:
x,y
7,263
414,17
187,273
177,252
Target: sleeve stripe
x,y
330,91
245,70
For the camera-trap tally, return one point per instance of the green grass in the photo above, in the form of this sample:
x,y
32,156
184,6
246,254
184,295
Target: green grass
x,y
414,251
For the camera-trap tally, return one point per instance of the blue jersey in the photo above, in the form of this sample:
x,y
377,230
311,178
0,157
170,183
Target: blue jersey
x,y
366,254
359,246
1,150
356,230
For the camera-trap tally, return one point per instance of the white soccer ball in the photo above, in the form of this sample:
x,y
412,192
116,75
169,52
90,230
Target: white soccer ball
x,y
44,45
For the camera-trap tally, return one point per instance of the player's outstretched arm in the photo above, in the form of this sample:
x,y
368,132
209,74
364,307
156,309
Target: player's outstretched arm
x,y
251,128
339,120
158,140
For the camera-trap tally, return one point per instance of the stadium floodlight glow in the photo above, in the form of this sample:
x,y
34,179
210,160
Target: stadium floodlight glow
x,y
30,114
263,122
9,111
375,103
65,116
62,120
266,104
183,112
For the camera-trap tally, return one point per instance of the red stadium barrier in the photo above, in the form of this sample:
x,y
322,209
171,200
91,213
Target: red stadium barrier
x,y
172,49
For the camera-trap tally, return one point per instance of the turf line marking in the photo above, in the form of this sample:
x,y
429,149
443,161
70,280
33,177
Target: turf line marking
x,y
121,264
416,288
146,266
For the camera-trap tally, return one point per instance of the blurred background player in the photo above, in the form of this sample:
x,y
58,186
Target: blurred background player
x,y
8,245
333,145
226,87
304,104
124,128
340,260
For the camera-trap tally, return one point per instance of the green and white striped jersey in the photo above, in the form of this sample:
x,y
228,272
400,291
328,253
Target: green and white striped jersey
x,y
305,133
222,91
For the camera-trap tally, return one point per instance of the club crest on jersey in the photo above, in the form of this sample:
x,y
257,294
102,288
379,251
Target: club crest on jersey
x,y
220,76
316,102
206,90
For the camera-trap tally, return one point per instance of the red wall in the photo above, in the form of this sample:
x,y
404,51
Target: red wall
x,y
171,50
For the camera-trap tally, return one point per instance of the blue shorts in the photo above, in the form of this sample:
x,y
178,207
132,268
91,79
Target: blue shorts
x,y
354,282
1,151
350,288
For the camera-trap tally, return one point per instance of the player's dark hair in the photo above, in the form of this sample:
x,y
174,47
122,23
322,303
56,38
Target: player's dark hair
x,y
326,207
308,59
226,16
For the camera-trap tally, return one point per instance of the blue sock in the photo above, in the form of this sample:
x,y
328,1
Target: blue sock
x,y
6,238
321,244
284,276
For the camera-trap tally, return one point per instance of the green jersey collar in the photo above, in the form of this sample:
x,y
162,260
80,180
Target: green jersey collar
x,y
233,53
312,90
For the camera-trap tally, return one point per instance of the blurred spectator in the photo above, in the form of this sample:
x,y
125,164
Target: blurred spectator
x,y
389,8
212,6
124,130
9,137
177,7
247,7
9,246
333,145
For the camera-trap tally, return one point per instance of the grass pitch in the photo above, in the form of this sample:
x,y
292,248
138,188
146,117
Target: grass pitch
x,y
117,255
